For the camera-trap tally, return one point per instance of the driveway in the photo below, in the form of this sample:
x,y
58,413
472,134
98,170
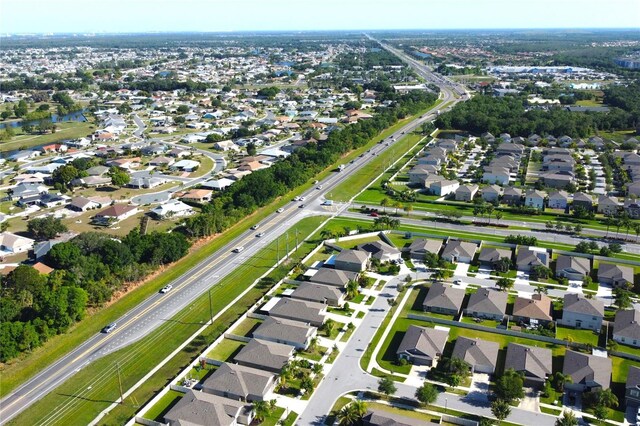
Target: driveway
x,y
479,387
530,402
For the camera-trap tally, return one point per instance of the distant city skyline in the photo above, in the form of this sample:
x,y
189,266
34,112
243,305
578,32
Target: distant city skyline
x,y
139,16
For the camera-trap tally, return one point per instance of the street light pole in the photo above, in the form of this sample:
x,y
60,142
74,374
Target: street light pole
x,y
446,401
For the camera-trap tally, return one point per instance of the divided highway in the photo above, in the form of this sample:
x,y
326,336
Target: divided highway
x,y
157,309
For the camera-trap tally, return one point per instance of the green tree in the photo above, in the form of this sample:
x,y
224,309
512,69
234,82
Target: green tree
x,y
353,289
386,386
622,297
567,419
252,149
504,264
21,109
504,284
510,386
427,393
182,109
119,177
385,203
500,409
46,228
261,410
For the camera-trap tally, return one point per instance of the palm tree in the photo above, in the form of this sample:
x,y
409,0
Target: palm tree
x,y
636,229
352,289
261,410
347,416
608,221
384,203
397,205
409,208
567,419
359,407
489,209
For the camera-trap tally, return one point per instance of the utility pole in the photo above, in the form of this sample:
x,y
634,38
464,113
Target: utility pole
x,y
210,306
119,382
287,241
278,248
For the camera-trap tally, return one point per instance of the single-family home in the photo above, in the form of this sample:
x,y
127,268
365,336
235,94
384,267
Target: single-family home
x,y
534,311
608,205
443,299
491,193
466,192
82,204
572,267
535,198
632,387
287,332
496,175
201,408
534,362
459,251
444,187
185,165
334,277
530,257
422,345
626,327
512,196
299,310
558,200
419,173
490,256
319,293
162,161
381,251
171,209
481,355
488,304
583,313
240,383
421,246
114,214
199,196
588,372
615,275
12,244
352,260
582,200
264,355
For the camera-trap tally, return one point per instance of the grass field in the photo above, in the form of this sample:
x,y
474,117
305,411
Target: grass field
x,y
66,130
78,400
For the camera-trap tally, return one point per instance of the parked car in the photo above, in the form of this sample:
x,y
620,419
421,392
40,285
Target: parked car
x,y
109,328
166,289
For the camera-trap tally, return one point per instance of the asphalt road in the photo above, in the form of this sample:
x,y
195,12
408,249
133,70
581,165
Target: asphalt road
x,y
154,311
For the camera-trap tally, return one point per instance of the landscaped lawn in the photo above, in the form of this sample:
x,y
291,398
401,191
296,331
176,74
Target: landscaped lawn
x,y
273,417
163,406
349,244
247,326
225,350
577,335
314,355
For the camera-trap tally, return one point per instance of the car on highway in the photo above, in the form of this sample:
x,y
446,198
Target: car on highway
x,y
280,210
256,226
374,214
238,249
302,198
166,289
260,234
315,182
296,198
110,328
301,206
319,187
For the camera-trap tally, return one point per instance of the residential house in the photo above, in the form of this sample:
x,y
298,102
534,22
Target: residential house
x,y
626,327
23,190
42,268
496,175
481,355
171,209
386,418
419,173
558,200
535,198
530,257
287,332
185,165
200,408
459,251
40,249
555,179
52,200
534,362
444,187
487,303
512,196
466,192
588,372
534,311
632,208
333,277
264,355
199,196
13,244
92,181
615,275
490,256
422,345
632,387
82,204
352,260
162,161
443,299
572,267
115,214
240,383
319,293
491,193
421,246
583,313
299,310
582,200
608,205
381,251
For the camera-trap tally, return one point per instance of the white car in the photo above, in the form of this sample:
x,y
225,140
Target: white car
x,y
109,328
238,249
256,226
302,198
260,234
319,187
296,198
167,288
280,210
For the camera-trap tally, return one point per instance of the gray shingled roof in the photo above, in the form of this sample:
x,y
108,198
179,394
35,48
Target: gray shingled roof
x,y
459,248
491,254
488,301
352,256
266,354
616,272
476,351
626,324
532,258
578,264
235,379
300,310
284,330
201,408
316,292
385,418
426,341
444,296
530,359
422,244
379,249
633,377
574,302
333,277
586,369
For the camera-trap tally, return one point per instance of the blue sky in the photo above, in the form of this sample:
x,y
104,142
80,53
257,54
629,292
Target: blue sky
x,y
96,16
